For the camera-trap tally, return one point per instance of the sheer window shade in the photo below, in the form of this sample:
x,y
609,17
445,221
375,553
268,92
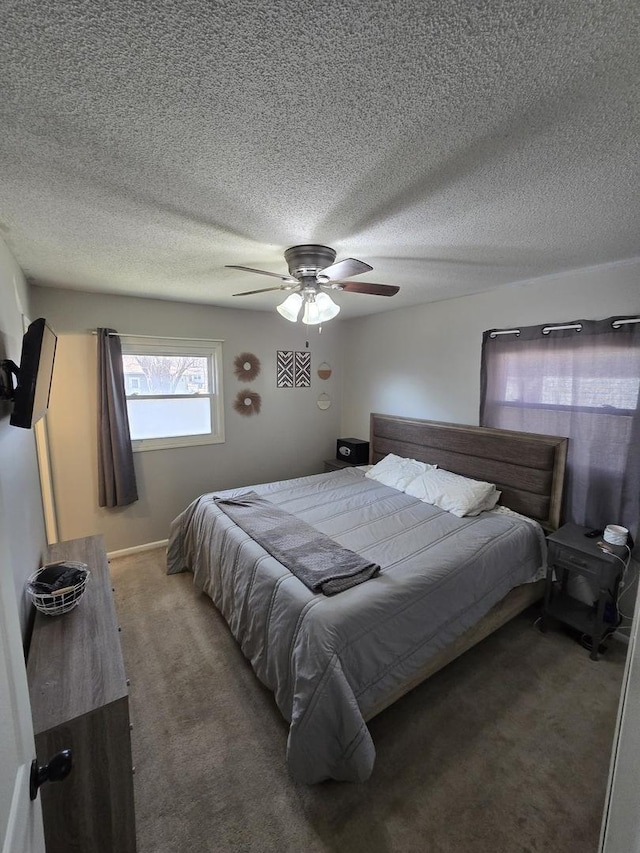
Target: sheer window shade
x,y
583,384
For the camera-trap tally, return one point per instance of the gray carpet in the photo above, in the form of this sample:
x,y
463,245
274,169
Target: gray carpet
x,y
506,750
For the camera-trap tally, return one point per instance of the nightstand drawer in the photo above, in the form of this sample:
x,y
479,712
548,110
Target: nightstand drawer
x,y
563,558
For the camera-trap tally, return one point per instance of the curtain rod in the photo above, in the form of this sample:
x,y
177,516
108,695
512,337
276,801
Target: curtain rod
x,y
164,337
616,324
504,332
576,326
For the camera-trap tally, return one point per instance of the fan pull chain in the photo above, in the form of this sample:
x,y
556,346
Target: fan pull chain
x,y
306,328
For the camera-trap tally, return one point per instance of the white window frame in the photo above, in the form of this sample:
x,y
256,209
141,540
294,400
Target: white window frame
x,y
209,349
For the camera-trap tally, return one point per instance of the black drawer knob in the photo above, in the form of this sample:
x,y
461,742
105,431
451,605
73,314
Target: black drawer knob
x,y
55,771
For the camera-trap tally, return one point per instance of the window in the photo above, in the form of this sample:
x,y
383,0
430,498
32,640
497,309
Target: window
x,y
174,391
581,380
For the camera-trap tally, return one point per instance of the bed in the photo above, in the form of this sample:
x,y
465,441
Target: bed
x,y
334,662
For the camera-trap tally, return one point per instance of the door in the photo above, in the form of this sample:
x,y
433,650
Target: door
x,y
621,823
20,819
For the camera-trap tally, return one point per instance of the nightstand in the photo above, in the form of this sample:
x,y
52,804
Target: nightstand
x,y
337,464
570,551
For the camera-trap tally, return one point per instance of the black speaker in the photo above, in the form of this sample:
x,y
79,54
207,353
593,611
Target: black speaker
x,y
353,450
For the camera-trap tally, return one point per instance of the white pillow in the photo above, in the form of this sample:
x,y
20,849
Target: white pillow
x,y
489,503
396,471
453,493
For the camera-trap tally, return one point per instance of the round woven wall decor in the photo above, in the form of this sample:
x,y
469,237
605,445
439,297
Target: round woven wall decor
x,y
247,403
246,366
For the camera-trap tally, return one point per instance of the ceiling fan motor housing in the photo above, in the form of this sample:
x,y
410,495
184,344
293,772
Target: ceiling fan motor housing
x,y
307,260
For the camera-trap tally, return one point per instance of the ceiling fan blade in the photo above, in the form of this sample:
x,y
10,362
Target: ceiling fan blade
x,y
262,272
368,287
345,268
262,290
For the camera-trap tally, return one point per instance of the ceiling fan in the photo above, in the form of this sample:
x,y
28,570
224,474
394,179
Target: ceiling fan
x,y
313,270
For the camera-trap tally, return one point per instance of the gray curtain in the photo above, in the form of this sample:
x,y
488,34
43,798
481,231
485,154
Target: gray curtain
x,y
116,474
581,384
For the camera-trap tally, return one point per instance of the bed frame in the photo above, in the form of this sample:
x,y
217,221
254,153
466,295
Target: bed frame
x,y
527,468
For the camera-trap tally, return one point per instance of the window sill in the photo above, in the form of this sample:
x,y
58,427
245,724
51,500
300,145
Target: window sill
x,y
139,445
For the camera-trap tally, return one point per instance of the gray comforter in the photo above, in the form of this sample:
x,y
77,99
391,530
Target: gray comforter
x,y
330,661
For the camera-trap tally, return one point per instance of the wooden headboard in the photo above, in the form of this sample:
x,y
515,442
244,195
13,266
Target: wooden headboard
x,y
527,468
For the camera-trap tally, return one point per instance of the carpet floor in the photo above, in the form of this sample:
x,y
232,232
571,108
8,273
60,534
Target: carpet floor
x,y
506,750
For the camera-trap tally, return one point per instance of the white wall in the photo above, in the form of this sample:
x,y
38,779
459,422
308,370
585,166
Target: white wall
x,y
425,361
21,520
290,437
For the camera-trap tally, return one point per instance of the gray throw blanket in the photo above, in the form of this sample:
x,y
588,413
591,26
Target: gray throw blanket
x,y
315,559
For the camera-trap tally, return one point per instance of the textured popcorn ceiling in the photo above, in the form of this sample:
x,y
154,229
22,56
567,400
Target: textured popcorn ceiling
x,y
455,146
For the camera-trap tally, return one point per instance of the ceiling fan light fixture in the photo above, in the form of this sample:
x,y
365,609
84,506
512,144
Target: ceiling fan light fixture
x,y
327,307
311,314
318,308
290,308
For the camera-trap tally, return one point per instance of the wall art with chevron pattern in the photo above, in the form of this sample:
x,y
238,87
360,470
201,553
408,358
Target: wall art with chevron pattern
x,y
284,369
302,371
293,369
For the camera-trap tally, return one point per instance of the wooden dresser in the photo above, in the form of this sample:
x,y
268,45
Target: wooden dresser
x,y
79,700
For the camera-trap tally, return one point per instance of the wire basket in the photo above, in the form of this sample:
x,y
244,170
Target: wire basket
x,y
60,600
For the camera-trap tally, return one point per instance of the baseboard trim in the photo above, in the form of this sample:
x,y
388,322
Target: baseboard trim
x,y
618,635
136,549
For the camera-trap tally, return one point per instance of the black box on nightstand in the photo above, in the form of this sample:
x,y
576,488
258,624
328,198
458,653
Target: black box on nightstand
x,y
353,450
